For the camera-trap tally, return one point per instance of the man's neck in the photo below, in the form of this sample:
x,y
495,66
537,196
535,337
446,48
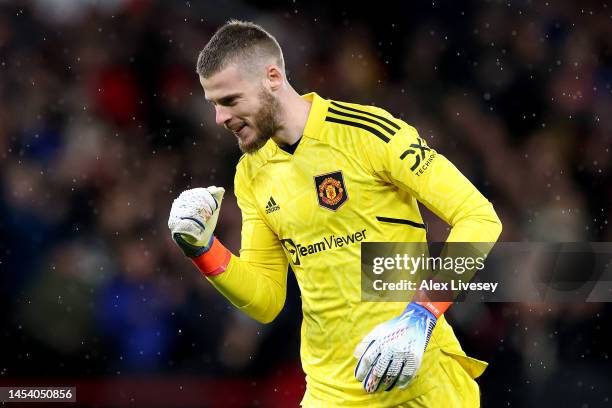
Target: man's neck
x,y
295,111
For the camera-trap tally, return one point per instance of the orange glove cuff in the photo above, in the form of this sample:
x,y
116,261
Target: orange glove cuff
x,y
214,261
437,308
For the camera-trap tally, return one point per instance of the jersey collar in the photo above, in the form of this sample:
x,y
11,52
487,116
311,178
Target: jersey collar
x,y
316,117
312,130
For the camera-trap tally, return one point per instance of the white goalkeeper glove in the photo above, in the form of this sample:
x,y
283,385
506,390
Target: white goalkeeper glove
x,y
193,218
392,352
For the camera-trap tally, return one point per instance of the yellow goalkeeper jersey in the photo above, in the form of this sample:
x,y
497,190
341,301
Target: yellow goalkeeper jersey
x,y
355,176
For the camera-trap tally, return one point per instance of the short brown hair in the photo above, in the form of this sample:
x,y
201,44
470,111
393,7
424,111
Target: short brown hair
x,y
238,41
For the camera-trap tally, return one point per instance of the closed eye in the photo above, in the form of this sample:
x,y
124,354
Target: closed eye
x,y
229,100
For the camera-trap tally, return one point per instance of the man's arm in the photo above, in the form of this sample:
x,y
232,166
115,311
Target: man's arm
x,y
432,179
255,282
392,352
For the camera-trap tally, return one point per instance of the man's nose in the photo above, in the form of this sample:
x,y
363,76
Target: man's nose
x,y
221,115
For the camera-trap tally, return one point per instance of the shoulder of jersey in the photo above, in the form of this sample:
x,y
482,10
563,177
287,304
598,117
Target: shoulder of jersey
x,y
343,106
366,118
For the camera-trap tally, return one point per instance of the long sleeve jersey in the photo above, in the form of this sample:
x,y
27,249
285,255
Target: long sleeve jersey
x,y
355,176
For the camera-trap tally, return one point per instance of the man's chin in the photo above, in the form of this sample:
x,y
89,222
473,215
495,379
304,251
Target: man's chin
x,y
251,146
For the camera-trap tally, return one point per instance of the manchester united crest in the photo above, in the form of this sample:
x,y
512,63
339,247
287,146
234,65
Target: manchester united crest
x,y
331,190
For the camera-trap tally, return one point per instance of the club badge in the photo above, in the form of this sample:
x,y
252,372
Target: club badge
x,y
331,190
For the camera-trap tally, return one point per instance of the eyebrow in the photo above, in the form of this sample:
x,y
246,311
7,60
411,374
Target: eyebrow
x,y
226,99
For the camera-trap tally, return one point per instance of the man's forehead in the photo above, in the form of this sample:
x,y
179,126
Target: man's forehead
x,y
227,81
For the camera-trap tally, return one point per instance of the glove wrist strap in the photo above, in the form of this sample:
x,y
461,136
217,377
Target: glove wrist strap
x,y
437,308
214,261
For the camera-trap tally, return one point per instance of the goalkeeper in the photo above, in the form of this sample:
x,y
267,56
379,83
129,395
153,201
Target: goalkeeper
x,y
319,177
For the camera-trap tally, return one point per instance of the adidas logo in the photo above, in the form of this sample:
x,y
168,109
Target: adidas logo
x,y
271,206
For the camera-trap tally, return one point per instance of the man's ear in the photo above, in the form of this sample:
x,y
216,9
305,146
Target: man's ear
x,y
274,77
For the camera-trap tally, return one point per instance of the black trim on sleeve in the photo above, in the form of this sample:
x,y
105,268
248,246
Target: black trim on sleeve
x,y
351,116
389,122
401,221
370,129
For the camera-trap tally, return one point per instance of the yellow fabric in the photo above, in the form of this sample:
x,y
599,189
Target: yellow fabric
x,y
448,385
285,222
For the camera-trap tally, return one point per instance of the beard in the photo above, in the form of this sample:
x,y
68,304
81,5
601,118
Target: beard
x,y
266,123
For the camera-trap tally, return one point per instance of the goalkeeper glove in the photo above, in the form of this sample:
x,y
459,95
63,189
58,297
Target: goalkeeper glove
x,y
392,352
193,218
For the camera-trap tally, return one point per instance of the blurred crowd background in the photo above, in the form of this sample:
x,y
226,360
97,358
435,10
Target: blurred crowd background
x,y
103,123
